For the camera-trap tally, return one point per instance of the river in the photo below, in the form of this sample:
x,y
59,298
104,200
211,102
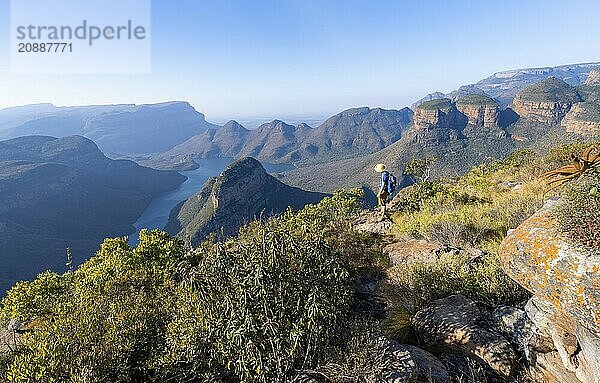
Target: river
x,y
156,214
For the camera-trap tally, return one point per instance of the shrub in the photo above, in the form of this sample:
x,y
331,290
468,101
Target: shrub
x,y
105,322
454,272
578,212
256,308
588,161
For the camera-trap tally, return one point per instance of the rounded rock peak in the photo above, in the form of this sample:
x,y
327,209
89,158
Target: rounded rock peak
x,y
593,77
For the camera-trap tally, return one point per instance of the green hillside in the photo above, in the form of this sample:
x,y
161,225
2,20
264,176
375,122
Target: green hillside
x,y
476,99
550,90
442,103
243,192
64,193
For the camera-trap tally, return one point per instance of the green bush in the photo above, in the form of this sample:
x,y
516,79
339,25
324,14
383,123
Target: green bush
x,y
106,321
256,308
454,272
578,213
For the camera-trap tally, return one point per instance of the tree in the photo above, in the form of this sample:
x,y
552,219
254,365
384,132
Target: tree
x,y
419,169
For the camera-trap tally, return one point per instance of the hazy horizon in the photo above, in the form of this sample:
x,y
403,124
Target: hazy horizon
x,y
292,59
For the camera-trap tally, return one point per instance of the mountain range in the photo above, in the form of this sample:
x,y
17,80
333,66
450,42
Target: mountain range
x,y
471,130
64,193
117,129
504,86
349,133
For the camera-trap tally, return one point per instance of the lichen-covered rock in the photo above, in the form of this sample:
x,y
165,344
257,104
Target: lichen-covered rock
x,y
566,307
454,324
405,363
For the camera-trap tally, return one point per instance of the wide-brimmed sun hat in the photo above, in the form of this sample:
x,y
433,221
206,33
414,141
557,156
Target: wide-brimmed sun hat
x,y
379,168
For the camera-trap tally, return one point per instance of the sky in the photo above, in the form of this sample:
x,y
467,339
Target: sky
x,y
240,59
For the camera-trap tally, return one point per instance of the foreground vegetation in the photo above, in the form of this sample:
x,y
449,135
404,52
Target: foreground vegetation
x,y
468,217
257,308
283,297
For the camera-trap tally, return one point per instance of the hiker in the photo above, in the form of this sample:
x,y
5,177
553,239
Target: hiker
x,y
387,185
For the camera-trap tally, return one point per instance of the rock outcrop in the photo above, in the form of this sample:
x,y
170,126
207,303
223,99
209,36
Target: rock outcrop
x,y
547,101
480,110
436,122
243,192
565,309
406,363
453,324
440,113
593,77
583,119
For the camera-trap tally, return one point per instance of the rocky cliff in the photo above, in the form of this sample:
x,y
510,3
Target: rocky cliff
x,y
243,192
584,117
480,110
436,122
560,328
504,86
547,101
593,77
439,114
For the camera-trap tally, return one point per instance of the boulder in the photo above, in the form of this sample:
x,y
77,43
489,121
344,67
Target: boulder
x,y
565,309
11,335
398,365
406,363
411,250
371,222
453,324
431,369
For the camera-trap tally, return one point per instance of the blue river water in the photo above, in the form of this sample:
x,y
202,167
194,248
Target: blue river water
x,y
156,214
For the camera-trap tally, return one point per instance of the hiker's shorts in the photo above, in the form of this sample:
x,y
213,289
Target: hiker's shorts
x,y
382,198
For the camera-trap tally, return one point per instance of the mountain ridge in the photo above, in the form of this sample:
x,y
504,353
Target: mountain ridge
x,y
350,132
127,129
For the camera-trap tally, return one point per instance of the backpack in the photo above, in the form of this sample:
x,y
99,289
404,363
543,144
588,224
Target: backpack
x,y
392,183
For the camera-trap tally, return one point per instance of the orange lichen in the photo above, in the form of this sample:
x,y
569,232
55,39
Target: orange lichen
x,y
537,257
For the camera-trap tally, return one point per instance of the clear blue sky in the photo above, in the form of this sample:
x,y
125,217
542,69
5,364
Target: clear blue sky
x,y
278,58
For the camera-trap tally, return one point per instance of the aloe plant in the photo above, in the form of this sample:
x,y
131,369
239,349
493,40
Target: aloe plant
x,y
589,160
